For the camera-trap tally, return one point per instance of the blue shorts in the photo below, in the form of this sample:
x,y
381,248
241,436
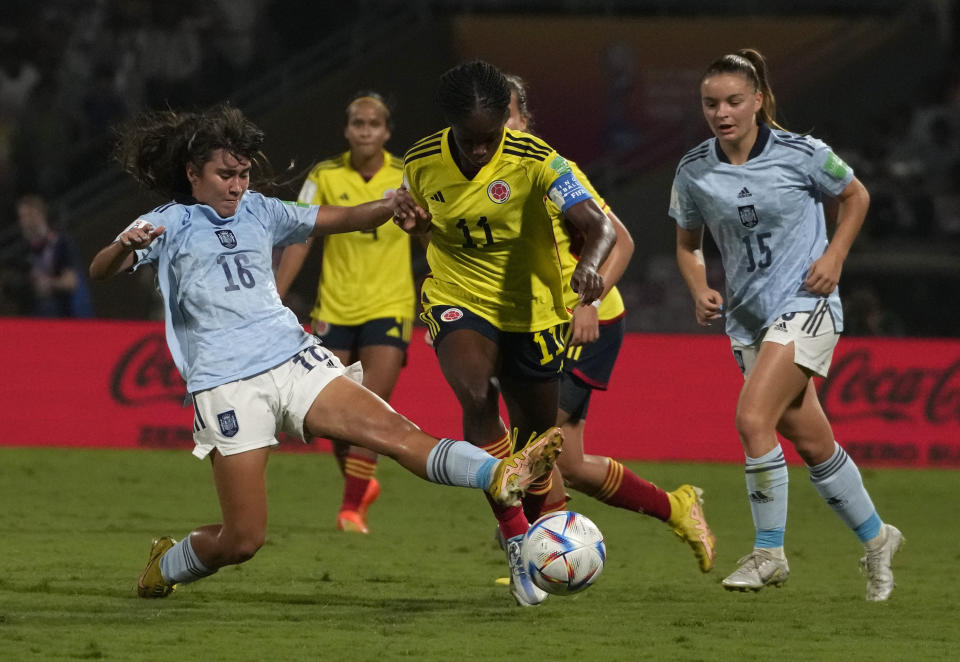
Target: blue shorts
x,y
393,331
527,355
588,367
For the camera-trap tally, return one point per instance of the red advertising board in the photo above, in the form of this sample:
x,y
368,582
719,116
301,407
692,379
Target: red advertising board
x,y
672,397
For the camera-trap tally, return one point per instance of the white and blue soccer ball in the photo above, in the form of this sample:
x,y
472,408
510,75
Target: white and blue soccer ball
x,y
563,552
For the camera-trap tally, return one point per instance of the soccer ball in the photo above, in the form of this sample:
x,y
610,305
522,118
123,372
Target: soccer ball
x,y
563,552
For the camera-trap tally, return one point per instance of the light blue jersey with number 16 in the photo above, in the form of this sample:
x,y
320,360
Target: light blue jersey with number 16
x,y
766,217
224,318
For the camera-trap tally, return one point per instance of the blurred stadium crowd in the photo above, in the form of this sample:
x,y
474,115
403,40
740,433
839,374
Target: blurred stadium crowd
x,y
72,69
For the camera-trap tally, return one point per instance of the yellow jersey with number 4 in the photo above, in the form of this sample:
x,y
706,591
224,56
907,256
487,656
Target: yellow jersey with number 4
x,y
365,275
492,248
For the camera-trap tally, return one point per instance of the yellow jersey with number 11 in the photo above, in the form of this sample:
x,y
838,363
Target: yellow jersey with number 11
x,y
492,248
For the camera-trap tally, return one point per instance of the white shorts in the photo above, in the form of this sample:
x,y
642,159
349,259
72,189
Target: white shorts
x,y
249,413
813,334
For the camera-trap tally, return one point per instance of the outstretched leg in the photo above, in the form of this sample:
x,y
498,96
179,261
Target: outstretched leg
x,y
350,412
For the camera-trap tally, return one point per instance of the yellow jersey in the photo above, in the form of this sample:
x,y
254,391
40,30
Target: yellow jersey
x,y
492,248
364,275
569,243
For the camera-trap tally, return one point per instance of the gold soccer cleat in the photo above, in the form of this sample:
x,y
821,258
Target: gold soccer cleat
x,y
151,583
514,473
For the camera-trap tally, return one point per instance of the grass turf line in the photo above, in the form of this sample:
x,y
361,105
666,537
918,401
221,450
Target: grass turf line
x,y
76,527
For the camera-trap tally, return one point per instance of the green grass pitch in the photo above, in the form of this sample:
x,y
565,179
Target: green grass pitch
x,y
76,525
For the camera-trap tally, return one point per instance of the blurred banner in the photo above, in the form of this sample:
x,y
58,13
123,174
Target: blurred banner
x,y
625,89
672,397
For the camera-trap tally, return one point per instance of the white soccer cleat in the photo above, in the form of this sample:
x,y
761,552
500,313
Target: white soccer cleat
x,y
761,567
525,592
876,564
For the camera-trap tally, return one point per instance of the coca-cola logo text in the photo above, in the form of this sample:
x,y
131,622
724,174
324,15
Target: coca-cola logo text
x,y
860,388
146,373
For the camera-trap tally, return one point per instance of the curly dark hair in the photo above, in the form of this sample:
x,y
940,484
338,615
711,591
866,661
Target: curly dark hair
x,y
156,147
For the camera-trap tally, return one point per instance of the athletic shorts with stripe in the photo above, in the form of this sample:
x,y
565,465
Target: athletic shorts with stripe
x,y
813,334
249,413
534,355
588,367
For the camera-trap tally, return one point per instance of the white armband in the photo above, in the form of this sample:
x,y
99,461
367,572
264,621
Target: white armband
x,y
139,223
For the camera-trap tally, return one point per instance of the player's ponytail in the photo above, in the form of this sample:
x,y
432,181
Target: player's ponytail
x,y
518,86
768,111
750,64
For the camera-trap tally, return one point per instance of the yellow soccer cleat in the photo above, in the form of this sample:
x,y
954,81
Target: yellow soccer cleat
x,y
514,473
151,583
690,524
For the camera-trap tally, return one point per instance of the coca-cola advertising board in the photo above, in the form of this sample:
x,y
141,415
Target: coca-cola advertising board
x,y
671,397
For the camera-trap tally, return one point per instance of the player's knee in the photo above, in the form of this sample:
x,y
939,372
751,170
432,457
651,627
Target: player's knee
x,y
813,450
573,469
752,426
244,547
569,465
475,398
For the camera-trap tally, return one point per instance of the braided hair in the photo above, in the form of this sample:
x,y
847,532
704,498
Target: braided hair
x,y
474,85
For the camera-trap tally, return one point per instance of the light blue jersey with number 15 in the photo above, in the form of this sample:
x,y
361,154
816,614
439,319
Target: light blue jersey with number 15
x,y
766,217
224,318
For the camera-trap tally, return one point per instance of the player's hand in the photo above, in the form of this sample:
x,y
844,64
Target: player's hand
x,y
587,283
585,326
824,275
408,215
709,306
139,235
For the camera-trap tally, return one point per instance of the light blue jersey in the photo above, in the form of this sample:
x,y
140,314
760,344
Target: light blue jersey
x,y
766,217
224,318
